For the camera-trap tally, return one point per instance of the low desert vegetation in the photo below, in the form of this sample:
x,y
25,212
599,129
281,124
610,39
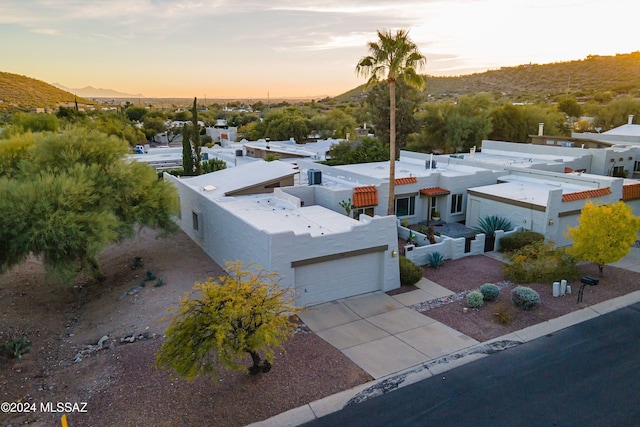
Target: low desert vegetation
x,y
410,273
475,299
519,240
540,262
525,297
490,291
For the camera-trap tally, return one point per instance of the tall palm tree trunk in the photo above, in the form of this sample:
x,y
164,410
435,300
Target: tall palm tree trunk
x,y
392,147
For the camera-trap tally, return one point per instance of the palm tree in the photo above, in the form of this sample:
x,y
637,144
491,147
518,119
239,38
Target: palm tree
x,y
392,57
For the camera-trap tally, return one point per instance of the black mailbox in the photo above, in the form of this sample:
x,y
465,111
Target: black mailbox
x,y
586,280
589,281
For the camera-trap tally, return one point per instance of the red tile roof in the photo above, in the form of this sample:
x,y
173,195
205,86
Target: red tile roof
x,y
567,170
631,191
410,180
586,194
434,191
365,196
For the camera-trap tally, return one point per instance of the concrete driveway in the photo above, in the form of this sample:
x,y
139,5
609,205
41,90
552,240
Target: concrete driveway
x,y
381,334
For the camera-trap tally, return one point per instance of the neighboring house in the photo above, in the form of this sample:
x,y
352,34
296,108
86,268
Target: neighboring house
x,y
222,134
420,190
289,149
620,160
540,201
248,213
165,158
625,134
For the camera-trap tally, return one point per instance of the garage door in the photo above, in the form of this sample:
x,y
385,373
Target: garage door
x,y
341,278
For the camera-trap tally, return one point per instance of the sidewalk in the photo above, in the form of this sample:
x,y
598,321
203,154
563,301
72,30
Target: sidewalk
x,y
398,346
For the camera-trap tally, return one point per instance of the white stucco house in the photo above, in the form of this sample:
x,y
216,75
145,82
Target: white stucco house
x,y
253,213
326,232
540,201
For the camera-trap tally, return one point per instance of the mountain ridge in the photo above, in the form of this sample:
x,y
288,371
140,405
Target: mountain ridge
x,y
22,93
92,92
585,79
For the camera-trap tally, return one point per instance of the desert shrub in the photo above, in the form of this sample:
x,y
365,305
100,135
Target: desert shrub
x,y
16,347
540,262
410,273
525,297
519,240
504,314
489,291
475,299
489,224
435,259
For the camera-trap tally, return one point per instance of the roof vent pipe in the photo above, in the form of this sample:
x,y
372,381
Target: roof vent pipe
x,y
540,129
630,122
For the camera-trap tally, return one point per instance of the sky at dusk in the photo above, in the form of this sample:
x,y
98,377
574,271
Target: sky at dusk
x,y
290,48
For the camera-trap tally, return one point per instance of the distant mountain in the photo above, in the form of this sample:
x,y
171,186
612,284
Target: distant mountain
x,y
21,93
585,79
92,92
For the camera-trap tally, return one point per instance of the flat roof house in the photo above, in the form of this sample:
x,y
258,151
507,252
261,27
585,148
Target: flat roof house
x,y
246,213
541,201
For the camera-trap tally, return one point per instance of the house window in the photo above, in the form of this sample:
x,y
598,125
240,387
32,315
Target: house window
x,y
618,171
367,211
406,206
195,220
636,166
456,203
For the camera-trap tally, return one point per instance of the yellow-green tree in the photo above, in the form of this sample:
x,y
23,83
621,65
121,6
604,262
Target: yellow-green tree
x,y
605,233
65,196
243,312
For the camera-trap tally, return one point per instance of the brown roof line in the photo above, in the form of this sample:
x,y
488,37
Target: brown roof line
x,y
434,191
586,194
365,196
409,180
631,191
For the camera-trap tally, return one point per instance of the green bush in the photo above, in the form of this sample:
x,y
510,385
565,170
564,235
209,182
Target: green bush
x,y
490,291
525,298
489,224
410,273
475,299
435,259
519,240
540,262
16,347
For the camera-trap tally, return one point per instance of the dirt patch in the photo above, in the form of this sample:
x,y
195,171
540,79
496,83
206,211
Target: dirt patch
x,y
483,323
117,380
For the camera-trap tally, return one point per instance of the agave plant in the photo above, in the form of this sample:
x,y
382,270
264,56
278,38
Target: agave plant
x,y
489,224
435,259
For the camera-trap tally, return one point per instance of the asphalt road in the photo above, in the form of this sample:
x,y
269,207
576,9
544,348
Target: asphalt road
x,y
586,375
